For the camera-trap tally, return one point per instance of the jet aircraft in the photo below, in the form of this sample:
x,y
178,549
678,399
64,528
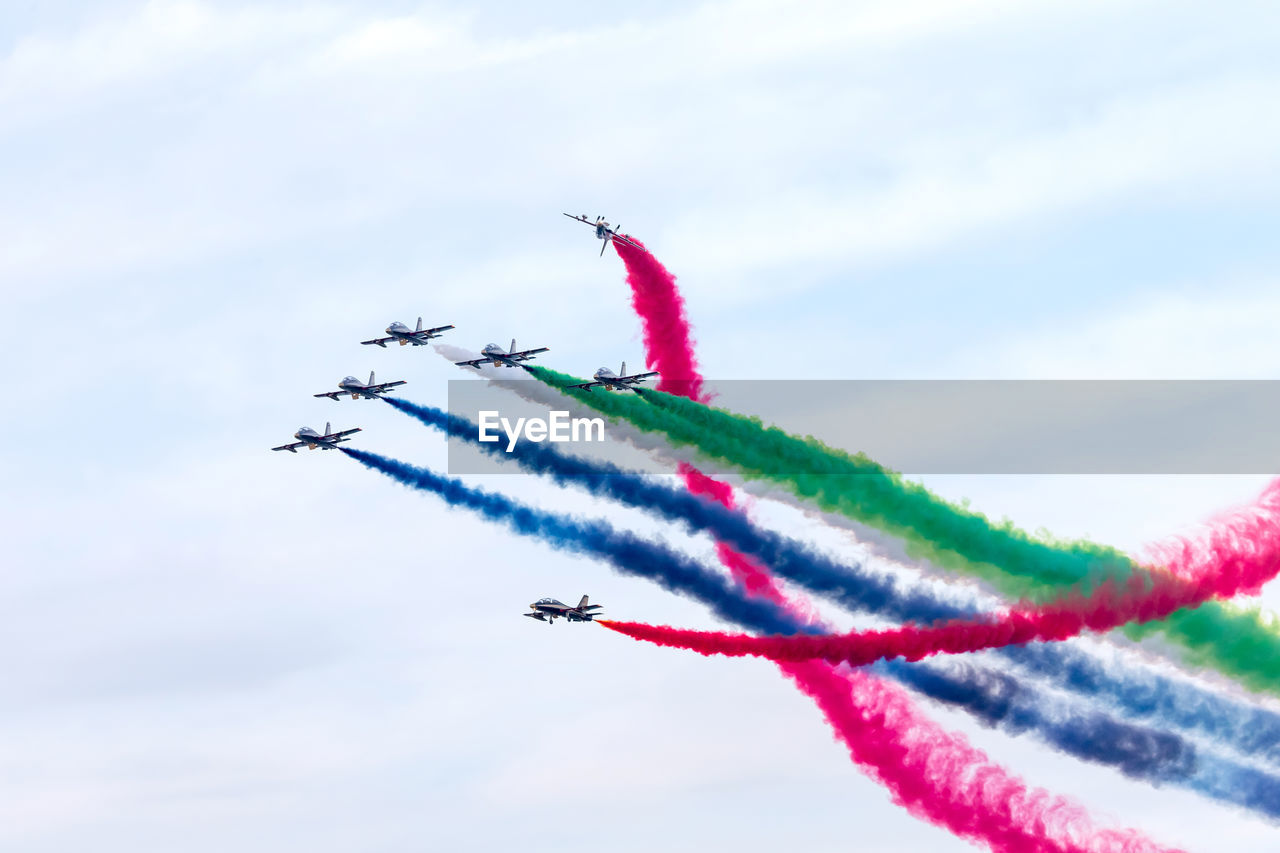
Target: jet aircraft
x,y
369,390
615,381
309,438
604,232
495,355
402,333
548,609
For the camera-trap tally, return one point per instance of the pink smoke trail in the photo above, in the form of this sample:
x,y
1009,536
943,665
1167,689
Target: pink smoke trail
x,y
935,775
939,777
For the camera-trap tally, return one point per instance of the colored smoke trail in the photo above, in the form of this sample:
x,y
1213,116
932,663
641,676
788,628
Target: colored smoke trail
x,y
1142,599
629,553
1245,547
998,700
669,347
668,339
1243,645
934,774
1140,693
995,700
938,770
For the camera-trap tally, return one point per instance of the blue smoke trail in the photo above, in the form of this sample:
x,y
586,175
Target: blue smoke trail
x,y
629,553
1143,753
1168,703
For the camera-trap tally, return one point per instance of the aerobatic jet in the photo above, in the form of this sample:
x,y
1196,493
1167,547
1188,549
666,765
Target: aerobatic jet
x,y
615,381
495,355
369,390
402,333
309,438
548,609
604,232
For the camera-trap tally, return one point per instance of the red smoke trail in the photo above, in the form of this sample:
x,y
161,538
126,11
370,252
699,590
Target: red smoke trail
x,y
934,774
1244,554
1238,555
1235,551
668,345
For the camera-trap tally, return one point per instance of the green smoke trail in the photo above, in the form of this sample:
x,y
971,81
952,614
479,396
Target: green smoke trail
x,y
1241,643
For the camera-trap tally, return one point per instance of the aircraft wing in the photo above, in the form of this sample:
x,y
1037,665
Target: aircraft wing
x,y
592,607
586,386
580,219
292,448
340,433
627,240
637,377
475,362
382,387
332,395
426,333
382,342
524,355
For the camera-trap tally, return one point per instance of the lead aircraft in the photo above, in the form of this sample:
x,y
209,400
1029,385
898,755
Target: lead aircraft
x,y
604,232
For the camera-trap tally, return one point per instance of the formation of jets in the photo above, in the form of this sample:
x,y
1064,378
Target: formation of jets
x,y
619,381
549,609
604,232
370,390
544,609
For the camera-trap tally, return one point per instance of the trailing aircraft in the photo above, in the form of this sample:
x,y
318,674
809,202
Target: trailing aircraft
x,y
615,381
549,609
370,390
309,438
402,333
497,356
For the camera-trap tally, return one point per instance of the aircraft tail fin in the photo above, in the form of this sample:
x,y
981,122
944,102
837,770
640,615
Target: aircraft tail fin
x,y
623,371
513,345
583,603
419,329
370,377
327,429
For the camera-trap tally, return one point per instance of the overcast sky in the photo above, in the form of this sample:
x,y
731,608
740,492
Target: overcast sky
x,y
205,206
